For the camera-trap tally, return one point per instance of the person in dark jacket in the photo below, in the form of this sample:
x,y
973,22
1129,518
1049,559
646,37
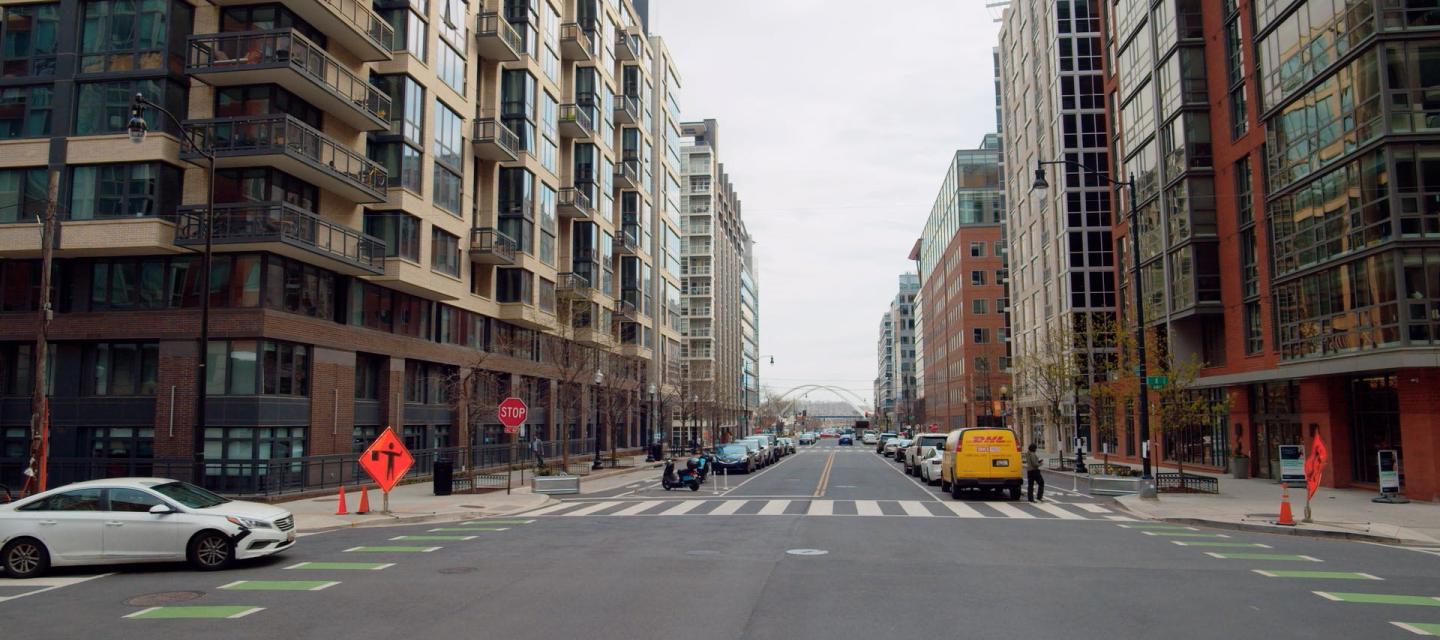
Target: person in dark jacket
x,y
1032,473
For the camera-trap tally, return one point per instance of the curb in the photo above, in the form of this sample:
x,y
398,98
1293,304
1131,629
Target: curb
x,y
433,517
1276,530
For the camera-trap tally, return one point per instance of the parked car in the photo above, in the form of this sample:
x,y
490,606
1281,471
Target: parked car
x,y
846,440
919,449
930,465
985,458
734,457
763,449
891,446
787,445
884,438
757,451
124,520
772,452
869,438
807,438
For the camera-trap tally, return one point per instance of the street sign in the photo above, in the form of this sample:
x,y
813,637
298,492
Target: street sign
x,y
1157,382
1292,462
1389,472
386,460
512,413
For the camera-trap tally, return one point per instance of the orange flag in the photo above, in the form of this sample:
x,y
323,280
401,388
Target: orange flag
x,y
1315,466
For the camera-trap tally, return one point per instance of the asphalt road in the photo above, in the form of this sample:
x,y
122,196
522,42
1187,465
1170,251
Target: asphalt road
x,y
874,555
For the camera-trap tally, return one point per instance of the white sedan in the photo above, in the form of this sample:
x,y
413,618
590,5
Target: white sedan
x,y
930,466
870,438
123,520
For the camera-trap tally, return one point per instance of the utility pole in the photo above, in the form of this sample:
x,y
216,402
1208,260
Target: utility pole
x,y
36,474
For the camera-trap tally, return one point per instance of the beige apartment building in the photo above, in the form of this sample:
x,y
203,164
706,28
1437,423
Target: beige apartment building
x,y
406,192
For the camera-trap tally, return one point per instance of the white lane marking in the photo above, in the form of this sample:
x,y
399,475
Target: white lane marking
x,y
45,584
728,507
634,508
247,612
774,508
1120,518
232,584
683,508
403,538
323,587
1411,629
868,508
550,509
1092,508
963,510
1161,533
758,474
1327,596
141,612
1248,545
1056,511
821,508
599,506
915,509
1007,510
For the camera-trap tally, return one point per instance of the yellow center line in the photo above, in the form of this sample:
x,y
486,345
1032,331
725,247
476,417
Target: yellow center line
x,y
824,477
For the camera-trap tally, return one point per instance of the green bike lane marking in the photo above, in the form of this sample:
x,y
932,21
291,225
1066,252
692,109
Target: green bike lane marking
x,y
391,549
1184,534
1204,543
1262,556
1379,598
1323,575
342,566
279,585
212,612
433,538
462,529
1420,628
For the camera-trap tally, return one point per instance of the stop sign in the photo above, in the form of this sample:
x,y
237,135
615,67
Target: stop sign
x,y
512,413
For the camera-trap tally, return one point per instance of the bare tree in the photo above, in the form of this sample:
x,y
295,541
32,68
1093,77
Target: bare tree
x,y
1048,372
1178,404
616,398
1109,365
575,365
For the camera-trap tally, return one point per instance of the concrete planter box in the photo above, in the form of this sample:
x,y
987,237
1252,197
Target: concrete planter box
x,y
1240,467
555,485
1114,485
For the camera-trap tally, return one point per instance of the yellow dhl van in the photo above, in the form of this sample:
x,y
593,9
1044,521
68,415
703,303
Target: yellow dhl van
x,y
982,458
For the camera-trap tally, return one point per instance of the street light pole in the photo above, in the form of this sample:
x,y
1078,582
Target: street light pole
x,y
138,129
1147,489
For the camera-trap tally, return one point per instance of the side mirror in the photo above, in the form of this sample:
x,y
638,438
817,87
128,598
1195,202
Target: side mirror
x,y
161,509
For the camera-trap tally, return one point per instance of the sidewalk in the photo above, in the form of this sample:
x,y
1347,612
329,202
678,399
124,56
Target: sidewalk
x,y
1254,504
416,502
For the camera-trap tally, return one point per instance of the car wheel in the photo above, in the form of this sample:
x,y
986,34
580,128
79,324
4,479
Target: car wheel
x,y
955,490
211,551
1014,494
25,558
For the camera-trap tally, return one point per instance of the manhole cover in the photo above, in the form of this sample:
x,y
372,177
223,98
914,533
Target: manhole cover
x,y
163,598
807,552
451,571
702,552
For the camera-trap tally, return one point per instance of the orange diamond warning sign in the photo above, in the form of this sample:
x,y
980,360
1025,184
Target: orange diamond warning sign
x,y
386,460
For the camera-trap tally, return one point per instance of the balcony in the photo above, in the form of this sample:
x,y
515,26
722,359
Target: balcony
x,y
284,229
527,315
576,121
627,174
575,204
352,24
493,140
573,286
594,337
290,60
284,142
496,39
627,109
627,47
639,351
626,309
578,43
489,246
628,240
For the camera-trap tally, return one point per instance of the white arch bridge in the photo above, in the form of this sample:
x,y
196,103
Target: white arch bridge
x,y
795,394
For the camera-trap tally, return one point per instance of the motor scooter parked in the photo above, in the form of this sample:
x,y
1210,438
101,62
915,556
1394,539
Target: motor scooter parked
x,y
686,478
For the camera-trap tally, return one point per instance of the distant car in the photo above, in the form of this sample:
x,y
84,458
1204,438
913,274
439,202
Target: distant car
x,y
899,453
807,438
846,441
869,438
930,465
787,445
829,433
124,520
890,446
757,451
734,457
771,449
883,439
919,448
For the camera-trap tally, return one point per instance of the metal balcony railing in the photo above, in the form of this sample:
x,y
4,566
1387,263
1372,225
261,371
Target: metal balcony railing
x,y
283,133
281,222
576,200
577,41
578,117
366,21
629,237
493,27
214,52
492,241
628,170
627,109
625,48
489,130
572,285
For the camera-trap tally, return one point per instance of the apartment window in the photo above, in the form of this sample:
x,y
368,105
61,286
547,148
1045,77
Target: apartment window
x,y
131,35
549,121
449,145
28,35
104,107
248,443
1235,71
977,249
25,112
257,367
407,118
977,278
1249,265
1002,305
517,208
370,370
979,306
1254,330
425,383
512,285
1244,197
410,29
401,162
980,336
120,368
265,99
265,185
123,190
24,194
451,67
399,230
444,252
548,224
295,287
517,106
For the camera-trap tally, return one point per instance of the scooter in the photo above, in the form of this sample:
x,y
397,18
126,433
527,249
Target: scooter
x,y
700,465
687,478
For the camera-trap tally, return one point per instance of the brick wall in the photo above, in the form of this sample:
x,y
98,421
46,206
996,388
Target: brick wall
x,y
1420,432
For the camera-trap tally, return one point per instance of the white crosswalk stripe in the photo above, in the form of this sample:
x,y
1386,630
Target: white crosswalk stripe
x,y
741,507
1093,508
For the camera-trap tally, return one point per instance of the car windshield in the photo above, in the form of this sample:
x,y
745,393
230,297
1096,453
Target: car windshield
x,y
733,450
931,441
189,495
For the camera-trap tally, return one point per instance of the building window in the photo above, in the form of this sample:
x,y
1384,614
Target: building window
x,y
548,224
121,443
407,119
977,249
399,230
120,368
104,107
295,287
1249,265
25,112
257,367
24,194
262,185
444,252
450,68
123,190
449,165
262,444
265,99
516,207
1244,197
410,28
977,278
513,285
1254,331
517,106
980,336
401,162
979,306
131,35
425,382
28,34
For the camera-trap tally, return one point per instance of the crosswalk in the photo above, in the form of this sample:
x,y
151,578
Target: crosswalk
x,y
856,508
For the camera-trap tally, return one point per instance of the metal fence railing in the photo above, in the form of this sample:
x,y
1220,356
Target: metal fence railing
x,y
1186,483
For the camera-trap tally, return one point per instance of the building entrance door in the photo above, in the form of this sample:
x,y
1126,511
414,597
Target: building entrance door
x,y
1269,435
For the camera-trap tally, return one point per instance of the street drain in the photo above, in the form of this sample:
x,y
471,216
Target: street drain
x,y
452,571
163,598
807,552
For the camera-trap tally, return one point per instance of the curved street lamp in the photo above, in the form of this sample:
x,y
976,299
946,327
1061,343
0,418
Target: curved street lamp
x,y
138,128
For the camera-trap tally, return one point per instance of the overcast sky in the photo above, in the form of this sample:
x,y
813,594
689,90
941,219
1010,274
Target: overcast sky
x,y
838,119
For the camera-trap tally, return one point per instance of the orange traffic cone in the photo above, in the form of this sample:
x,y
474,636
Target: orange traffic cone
x,y
1286,518
364,501
340,509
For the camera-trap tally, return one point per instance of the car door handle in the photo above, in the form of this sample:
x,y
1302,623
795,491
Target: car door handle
x,y
48,522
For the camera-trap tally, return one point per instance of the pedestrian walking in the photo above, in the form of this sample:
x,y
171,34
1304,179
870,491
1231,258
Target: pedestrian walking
x,y
537,447
1032,473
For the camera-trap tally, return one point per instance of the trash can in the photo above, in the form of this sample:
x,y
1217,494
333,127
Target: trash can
x,y
444,477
